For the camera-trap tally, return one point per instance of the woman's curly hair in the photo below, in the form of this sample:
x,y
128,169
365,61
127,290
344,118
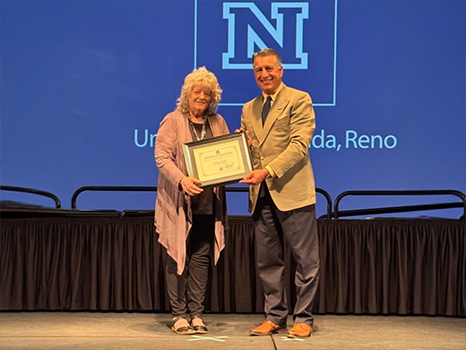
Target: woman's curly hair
x,y
206,79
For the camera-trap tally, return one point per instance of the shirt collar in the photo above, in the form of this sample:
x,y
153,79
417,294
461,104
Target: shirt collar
x,y
274,95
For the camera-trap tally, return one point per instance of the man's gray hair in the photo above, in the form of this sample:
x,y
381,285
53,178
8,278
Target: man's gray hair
x,y
268,52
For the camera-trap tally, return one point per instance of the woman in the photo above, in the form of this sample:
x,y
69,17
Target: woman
x,y
189,219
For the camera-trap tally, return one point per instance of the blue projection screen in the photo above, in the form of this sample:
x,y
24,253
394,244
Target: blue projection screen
x,y
85,84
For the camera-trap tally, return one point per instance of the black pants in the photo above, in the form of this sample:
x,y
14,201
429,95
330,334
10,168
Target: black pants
x,y
299,228
187,291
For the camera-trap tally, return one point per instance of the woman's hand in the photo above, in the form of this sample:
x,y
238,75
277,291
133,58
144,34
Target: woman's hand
x,y
189,186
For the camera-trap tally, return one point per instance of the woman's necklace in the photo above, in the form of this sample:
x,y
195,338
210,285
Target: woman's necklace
x,y
203,131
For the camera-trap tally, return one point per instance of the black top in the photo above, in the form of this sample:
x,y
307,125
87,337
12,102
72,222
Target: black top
x,y
202,203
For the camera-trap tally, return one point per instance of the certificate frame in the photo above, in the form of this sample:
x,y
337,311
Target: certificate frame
x,y
218,161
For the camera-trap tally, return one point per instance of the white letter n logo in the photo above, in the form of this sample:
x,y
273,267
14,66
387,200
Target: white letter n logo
x,y
243,38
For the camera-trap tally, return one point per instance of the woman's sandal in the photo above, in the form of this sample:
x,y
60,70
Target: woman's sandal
x,y
183,328
199,326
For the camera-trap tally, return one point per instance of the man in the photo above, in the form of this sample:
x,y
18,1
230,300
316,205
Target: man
x,y
279,124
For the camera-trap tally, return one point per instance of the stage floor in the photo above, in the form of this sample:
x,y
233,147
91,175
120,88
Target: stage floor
x,y
95,330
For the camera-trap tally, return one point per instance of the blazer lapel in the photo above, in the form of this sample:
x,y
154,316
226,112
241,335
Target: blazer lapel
x,y
276,111
257,118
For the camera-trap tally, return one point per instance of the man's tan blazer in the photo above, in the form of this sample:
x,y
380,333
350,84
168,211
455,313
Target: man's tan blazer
x,y
282,143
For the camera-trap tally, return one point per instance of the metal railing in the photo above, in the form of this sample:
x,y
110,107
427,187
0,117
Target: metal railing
x,y
154,189
336,214
110,188
398,209
33,191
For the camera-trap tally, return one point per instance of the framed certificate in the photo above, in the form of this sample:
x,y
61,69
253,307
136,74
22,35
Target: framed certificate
x,y
219,160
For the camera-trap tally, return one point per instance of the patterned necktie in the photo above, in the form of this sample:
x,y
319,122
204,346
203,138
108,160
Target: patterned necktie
x,y
266,109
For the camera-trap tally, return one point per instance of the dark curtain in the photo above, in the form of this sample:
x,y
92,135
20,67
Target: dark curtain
x,y
384,266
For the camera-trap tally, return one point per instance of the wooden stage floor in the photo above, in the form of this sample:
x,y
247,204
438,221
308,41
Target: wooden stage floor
x,y
122,330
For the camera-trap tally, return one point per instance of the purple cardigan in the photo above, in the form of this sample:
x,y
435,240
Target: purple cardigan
x,y
173,216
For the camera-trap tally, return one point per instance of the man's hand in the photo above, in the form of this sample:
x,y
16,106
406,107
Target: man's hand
x,y
248,138
189,186
255,177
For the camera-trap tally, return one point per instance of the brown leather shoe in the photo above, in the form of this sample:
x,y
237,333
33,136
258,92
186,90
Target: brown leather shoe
x,y
299,330
266,328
